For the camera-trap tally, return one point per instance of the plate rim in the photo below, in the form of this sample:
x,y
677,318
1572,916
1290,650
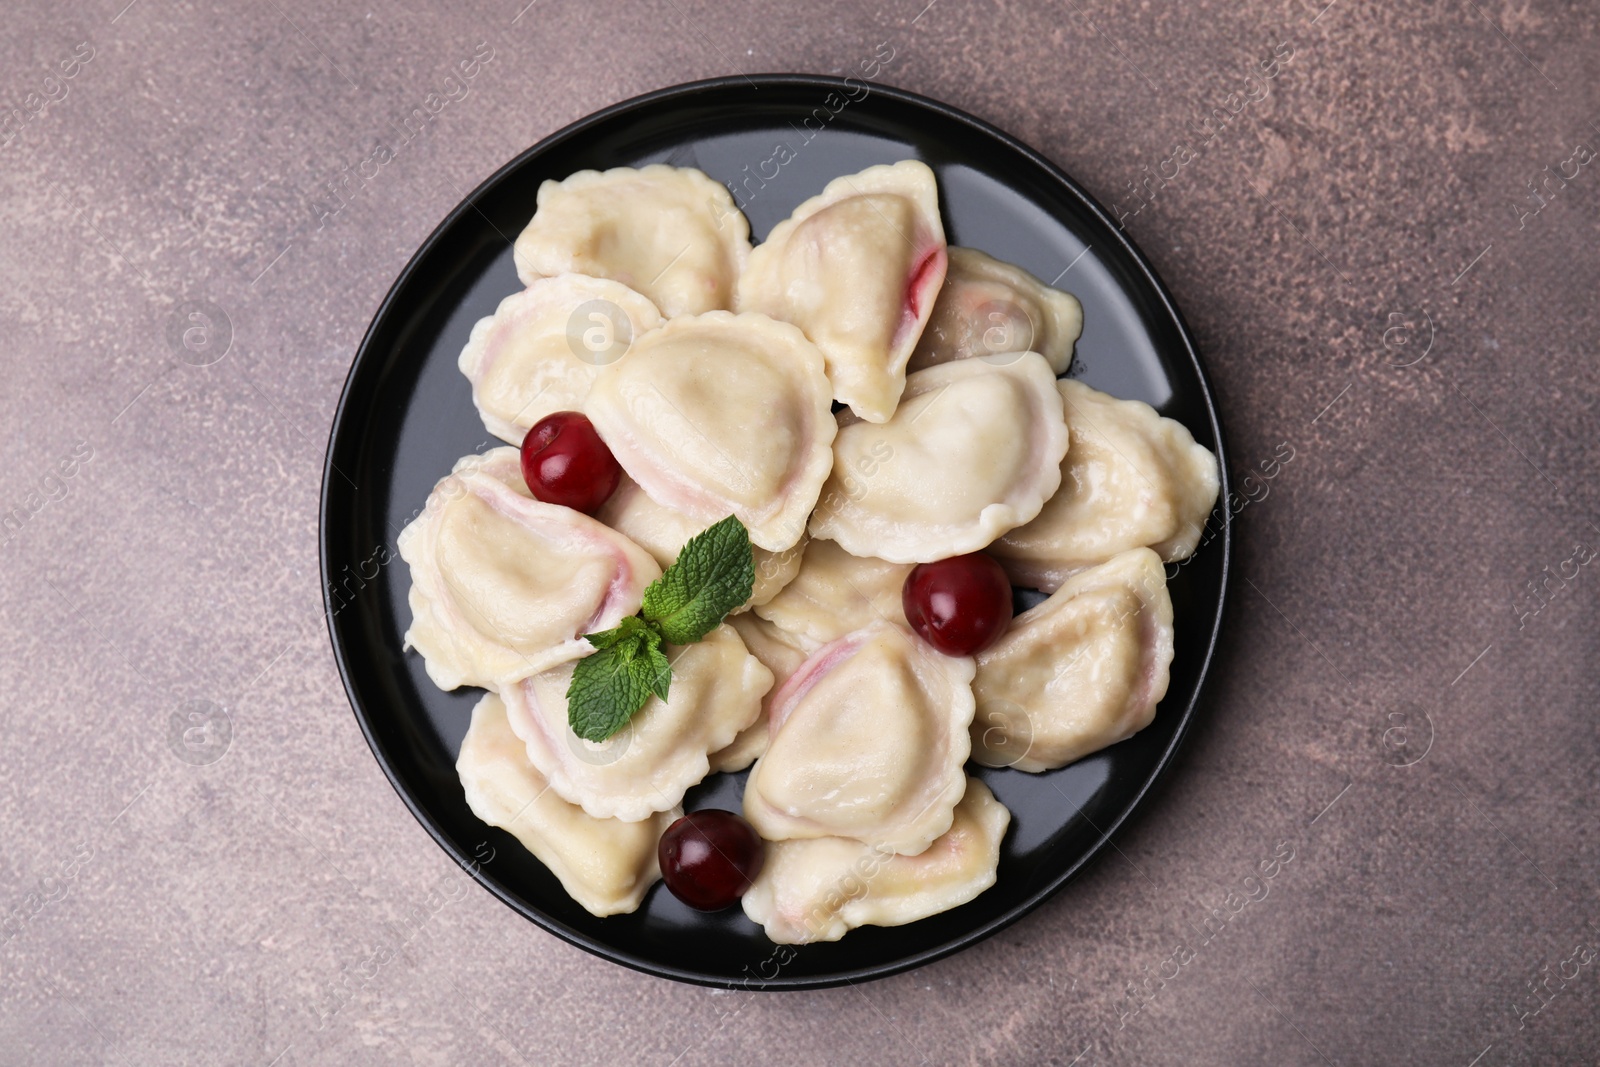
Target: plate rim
x,y
363,360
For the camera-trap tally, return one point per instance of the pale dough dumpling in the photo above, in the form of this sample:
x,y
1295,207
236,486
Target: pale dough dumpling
x,y
821,889
868,740
671,233
502,585
1083,670
780,653
663,532
715,693
606,865
722,414
974,450
858,268
987,307
540,351
835,593
1131,479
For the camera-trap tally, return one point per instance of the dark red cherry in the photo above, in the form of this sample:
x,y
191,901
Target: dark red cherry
x,y
958,605
709,858
565,462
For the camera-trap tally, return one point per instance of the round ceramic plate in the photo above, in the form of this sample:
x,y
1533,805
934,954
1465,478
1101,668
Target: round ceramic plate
x,y
406,416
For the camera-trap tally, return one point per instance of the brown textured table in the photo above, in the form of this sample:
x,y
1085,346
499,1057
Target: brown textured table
x,y
1404,702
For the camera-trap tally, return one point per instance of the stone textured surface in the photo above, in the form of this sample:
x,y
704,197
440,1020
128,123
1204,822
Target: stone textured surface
x,y
164,912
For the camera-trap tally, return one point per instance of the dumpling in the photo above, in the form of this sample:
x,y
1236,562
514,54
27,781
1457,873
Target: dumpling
x,y
775,570
819,890
974,450
606,865
716,414
1083,670
1131,480
835,593
504,586
780,654
671,233
541,349
987,307
858,268
663,532
716,692
868,740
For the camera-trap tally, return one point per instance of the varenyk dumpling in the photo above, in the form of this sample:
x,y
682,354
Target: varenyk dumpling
x,y
502,585
868,738
1083,670
988,307
858,268
974,450
671,233
716,414
540,351
716,692
822,888
1132,479
606,865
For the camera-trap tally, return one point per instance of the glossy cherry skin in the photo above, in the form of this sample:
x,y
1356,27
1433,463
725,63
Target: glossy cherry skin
x,y
709,858
959,605
565,462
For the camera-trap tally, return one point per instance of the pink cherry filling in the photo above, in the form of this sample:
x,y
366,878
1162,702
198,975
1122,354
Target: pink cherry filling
x,y
922,287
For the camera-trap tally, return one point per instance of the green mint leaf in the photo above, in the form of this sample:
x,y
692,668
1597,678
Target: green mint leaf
x,y
613,683
626,629
660,670
713,575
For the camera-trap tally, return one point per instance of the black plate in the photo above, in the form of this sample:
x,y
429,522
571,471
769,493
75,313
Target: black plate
x,y
406,416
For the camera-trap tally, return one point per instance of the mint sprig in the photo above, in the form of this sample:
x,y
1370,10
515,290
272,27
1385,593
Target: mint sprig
x,y
714,574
